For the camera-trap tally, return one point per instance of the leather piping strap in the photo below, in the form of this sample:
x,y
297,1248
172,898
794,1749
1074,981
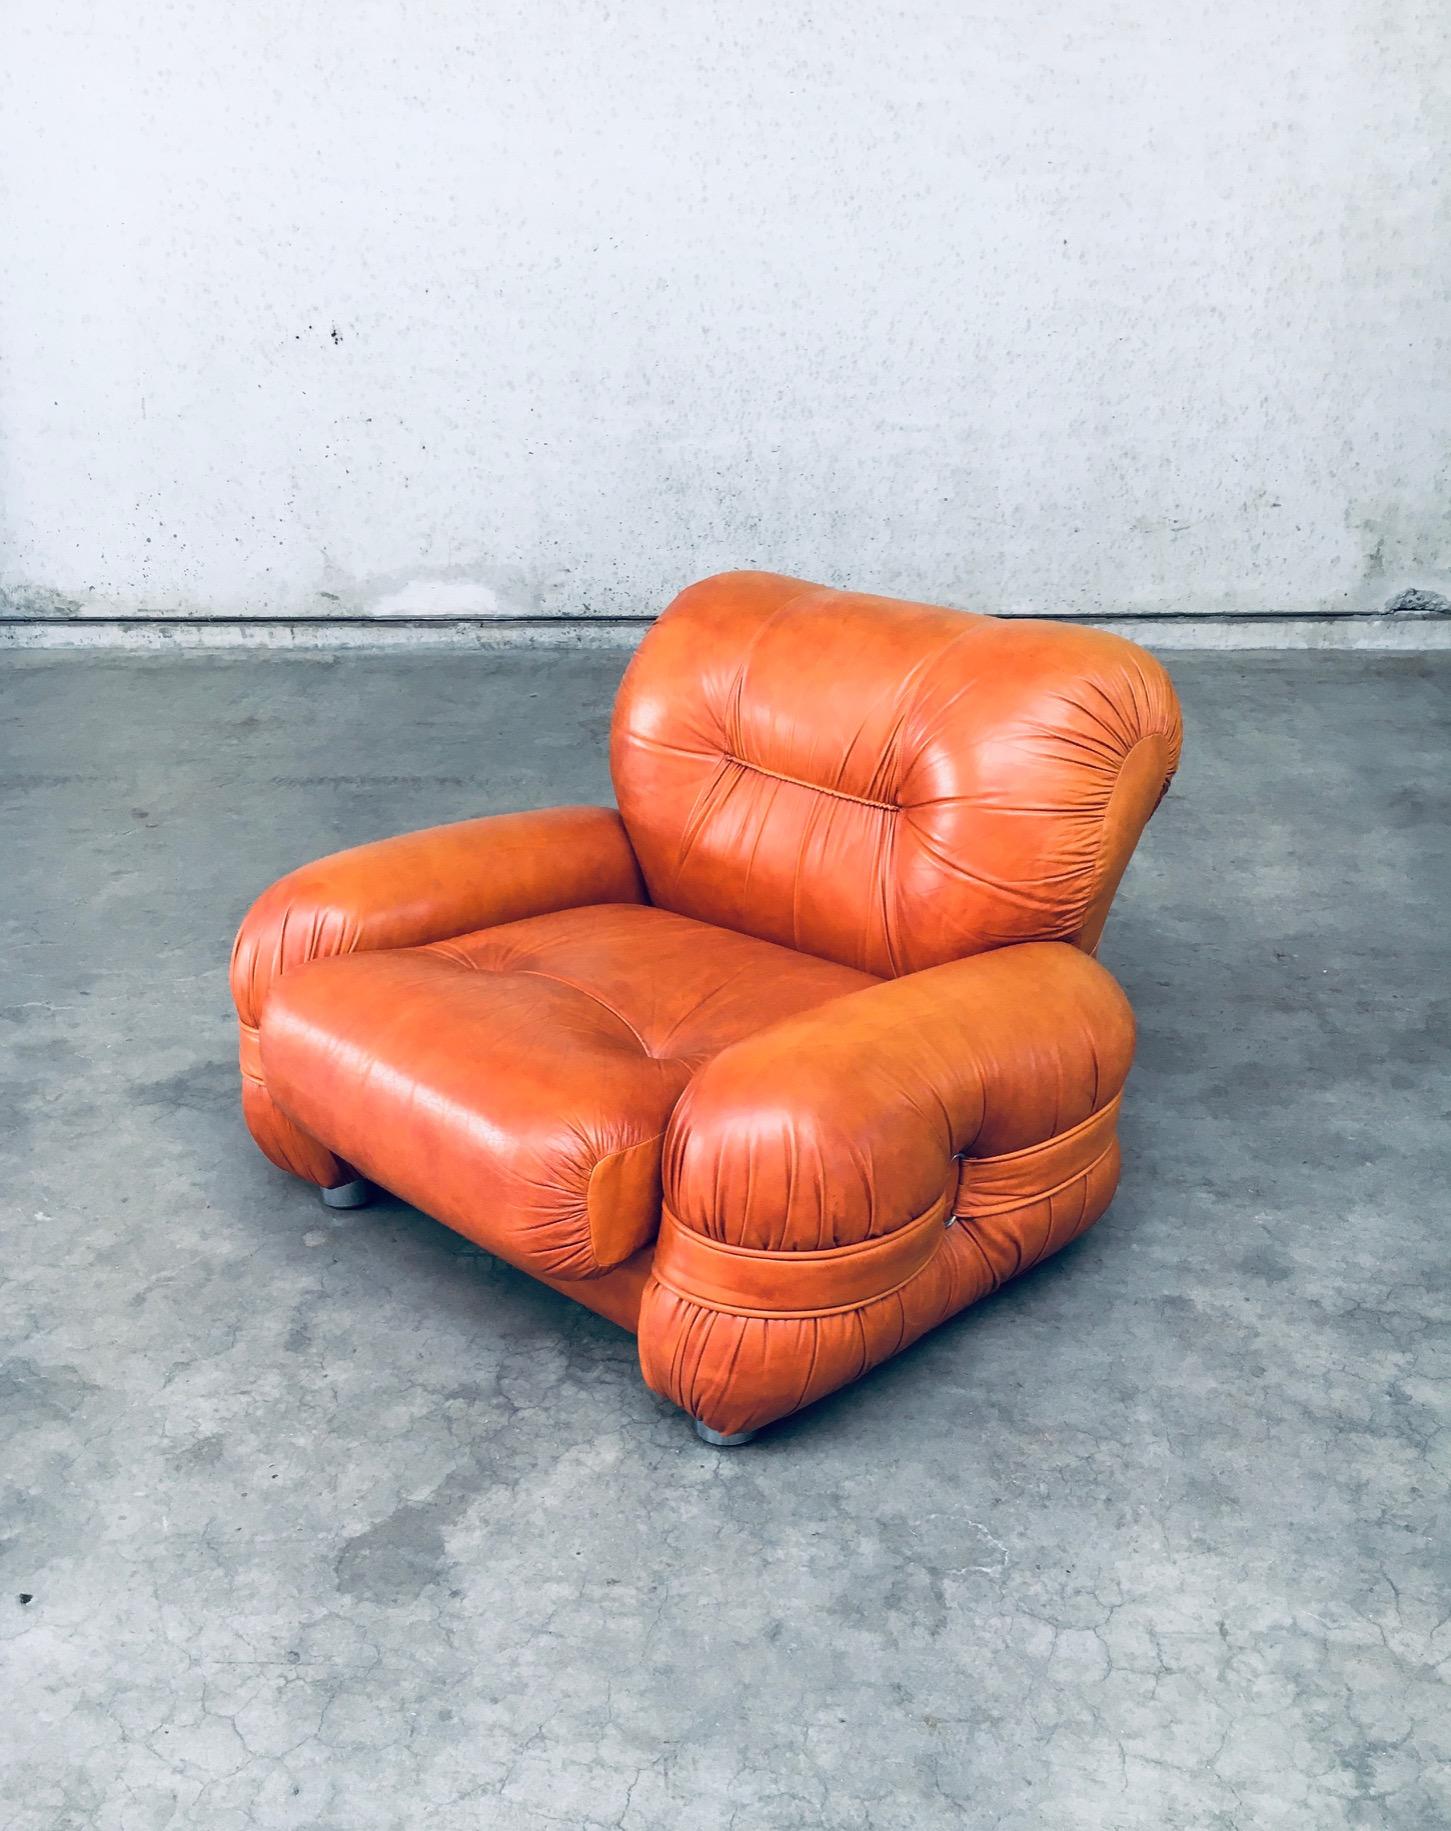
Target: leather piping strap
x,y
994,1185
250,1050
750,1282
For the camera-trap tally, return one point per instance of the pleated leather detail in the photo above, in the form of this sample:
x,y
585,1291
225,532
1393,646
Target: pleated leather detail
x,y
991,1185
749,1282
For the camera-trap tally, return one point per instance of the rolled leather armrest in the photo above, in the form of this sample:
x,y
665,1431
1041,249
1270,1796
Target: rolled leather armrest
x,y
843,1181
406,892
431,885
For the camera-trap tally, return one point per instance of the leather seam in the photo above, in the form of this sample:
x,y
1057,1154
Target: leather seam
x,y
1038,1195
1054,1138
816,788
926,1223
755,1315
833,1255
1095,884
595,1168
534,972
594,997
249,1048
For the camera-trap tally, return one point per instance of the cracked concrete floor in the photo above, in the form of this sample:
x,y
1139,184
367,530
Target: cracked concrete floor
x,y
329,1521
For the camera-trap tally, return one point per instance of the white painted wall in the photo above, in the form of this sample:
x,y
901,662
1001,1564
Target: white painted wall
x,y
326,306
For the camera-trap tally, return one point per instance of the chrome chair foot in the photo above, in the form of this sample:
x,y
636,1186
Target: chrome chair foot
x,y
718,1439
349,1195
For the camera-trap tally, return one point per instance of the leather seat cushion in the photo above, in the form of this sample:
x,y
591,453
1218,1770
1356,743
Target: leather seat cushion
x,y
517,1082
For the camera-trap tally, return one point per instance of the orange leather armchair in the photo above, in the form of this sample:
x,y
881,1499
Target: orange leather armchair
x,y
791,1058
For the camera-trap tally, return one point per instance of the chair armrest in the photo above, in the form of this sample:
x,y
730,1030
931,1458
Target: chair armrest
x,y
429,886
813,1172
845,1122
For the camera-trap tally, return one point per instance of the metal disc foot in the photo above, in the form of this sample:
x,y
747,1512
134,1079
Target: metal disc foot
x,y
349,1195
718,1439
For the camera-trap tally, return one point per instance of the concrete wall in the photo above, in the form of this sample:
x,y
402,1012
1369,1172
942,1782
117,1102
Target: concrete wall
x,y
434,305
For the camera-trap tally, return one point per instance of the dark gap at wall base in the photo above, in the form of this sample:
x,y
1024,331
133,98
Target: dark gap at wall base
x,y
1406,632
161,619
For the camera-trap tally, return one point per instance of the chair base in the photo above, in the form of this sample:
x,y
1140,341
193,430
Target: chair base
x,y
718,1440
349,1195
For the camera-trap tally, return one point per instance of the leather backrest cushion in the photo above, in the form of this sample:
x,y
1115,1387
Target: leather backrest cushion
x,y
886,784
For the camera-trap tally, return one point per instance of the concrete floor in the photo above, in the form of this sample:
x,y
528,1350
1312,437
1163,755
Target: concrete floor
x,y
316,1520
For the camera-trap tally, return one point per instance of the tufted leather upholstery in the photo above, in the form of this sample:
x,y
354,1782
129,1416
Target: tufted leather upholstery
x,y
888,785
796,1054
531,1068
